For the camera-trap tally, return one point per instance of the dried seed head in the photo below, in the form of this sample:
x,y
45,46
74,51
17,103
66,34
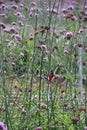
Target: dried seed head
x,y
74,120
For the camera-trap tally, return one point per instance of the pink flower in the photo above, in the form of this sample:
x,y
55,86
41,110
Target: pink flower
x,y
69,35
3,25
23,111
7,30
2,126
38,128
85,128
30,14
18,37
68,107
44,106
14,6
43,47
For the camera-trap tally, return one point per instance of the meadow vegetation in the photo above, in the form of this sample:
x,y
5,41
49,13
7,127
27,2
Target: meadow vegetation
x,y
43,65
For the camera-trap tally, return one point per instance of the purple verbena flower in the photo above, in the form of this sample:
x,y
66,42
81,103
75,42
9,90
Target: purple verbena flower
x,y
38,128
3,25
0,43
33,3
68,107
31,14
85,128
3,15
69,35
18,37
12,29
4,6
14,6
7,30
43,47
21,5
21,54
2,126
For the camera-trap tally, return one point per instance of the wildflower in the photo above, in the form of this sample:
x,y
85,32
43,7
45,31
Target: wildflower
x,y
21,54
73,18
30,14
68,107
68,16
38,128
0,43
64,10
69,35
14,6
55,11
2,126
70,7
7,30
38,110
54,48
3,15
66,52
55,122
85,128
23,111
43,47
80,31
86,49
74,120
3,6
21,5
12,29
18,37
18,14
44,106
3,25
33,3
85,19
14,23
21,23
82,108
80,45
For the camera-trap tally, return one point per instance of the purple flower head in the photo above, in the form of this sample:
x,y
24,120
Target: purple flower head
x,y
0,43
3,15
7,30
14,23
68,107
85,6
43,47
33,3
85,128
55,11
65,52
44,106
3,6
3,25
38,128
2,126
21,54
21,23
23,111
69,35
70,7
12,29
21,5
30,14
80,31
19,14
18,37
14,6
